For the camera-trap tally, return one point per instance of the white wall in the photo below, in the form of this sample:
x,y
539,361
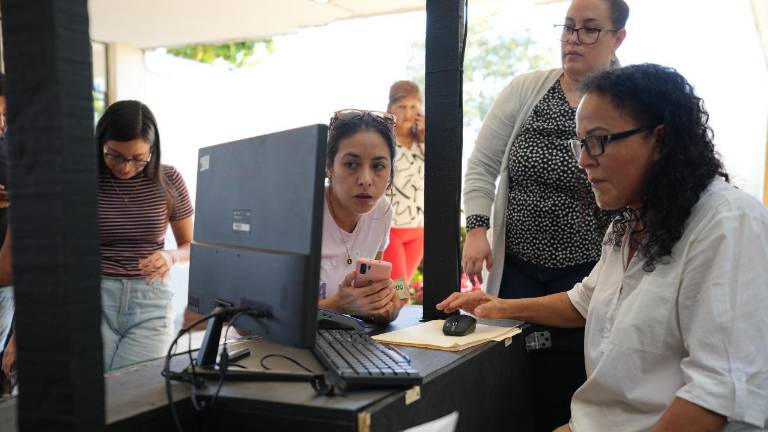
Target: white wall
x,y
126,72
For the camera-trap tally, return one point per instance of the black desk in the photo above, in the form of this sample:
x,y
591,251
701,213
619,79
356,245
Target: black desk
x,y
487,384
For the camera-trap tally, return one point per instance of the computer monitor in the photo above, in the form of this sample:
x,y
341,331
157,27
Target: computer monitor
x,y
258,232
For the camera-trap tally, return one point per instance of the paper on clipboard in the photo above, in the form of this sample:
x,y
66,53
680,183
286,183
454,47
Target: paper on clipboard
x,y
430,335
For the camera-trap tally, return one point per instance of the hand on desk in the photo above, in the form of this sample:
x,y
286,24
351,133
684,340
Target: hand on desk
x,y
392,310
478,303
377,301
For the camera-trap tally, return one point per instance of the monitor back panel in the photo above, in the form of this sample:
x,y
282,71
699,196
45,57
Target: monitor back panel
x,y
258,231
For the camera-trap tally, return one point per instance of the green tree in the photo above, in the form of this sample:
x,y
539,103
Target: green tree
x,y
491,59
237,54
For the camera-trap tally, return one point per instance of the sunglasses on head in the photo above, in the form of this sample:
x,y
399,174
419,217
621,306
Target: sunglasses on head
x,y
384,118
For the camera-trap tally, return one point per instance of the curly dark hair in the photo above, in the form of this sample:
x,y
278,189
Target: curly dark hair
x,y
655,95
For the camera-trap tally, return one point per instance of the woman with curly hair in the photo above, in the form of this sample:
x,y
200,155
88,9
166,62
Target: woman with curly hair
x,y
675,309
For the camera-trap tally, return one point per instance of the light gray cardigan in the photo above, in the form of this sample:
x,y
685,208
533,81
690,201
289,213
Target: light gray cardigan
x,y
491,158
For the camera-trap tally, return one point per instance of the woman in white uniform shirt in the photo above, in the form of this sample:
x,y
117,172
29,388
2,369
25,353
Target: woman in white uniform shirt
x,y
675,311
357,218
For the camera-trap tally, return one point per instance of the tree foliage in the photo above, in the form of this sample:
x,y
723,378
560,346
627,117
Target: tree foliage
x,y
237,54
492,58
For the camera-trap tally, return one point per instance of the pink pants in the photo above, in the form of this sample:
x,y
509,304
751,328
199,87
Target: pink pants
x,y
405,251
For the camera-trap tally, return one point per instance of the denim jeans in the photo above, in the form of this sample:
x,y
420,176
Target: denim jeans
x,y
137,320
522,279
6,314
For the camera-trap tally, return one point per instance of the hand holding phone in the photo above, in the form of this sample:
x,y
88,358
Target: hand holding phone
x,y
370,270
417,129
5,197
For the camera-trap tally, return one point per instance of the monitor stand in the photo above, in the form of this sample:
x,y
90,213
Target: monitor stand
x,y
251,352
209,350
206,363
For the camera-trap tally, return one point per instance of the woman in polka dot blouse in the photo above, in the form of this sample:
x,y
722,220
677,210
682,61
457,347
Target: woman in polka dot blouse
x,y
545,237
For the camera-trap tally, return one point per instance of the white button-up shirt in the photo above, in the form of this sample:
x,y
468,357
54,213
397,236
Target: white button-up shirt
x,y
695,328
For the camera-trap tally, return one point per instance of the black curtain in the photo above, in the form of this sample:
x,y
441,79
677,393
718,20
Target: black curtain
x,y
443,110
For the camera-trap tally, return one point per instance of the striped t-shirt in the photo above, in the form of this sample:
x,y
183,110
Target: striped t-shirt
x,y
133,219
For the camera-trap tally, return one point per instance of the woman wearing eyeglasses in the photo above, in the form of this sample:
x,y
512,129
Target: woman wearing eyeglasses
x,y
544,238
675,310
357,216
138,198
406,239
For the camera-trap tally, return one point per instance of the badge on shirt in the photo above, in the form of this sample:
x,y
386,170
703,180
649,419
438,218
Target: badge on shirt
x,y
402,289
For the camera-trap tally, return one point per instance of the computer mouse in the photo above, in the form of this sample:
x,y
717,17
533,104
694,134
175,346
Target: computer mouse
x,y
459,325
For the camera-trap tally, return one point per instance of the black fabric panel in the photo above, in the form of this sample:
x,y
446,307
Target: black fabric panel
x,y
443,110
490,391
52,178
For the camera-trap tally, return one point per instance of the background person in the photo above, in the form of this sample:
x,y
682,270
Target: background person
x,y
406,238
138,198
6,291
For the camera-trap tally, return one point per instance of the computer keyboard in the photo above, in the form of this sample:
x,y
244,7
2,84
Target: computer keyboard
x,y
362,362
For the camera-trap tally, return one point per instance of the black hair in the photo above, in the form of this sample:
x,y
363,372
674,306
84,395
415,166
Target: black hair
x,y
129,120
2,84
343,129
687,162
619,13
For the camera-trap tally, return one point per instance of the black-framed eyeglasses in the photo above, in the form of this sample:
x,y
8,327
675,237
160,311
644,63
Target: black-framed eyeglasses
x,y
385,118
118,160
595,145
585,35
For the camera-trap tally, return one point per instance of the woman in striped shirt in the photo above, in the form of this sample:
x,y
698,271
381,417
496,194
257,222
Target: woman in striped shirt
x,y
138,198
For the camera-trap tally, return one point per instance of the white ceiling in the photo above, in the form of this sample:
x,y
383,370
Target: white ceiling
x,y
153,23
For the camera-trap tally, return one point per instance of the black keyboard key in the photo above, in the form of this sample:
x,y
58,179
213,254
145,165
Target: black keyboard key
x,y
363,362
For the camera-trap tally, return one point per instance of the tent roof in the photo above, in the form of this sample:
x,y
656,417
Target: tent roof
x,y
154,23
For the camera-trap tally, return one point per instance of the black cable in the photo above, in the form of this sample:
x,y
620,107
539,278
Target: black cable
x,y
194,380
224,358
294,361
327,384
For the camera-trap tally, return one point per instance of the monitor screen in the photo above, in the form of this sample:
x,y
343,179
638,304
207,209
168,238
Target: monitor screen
x,y
258,231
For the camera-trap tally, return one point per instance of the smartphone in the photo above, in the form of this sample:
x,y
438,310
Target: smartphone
x,y
370,271
415,127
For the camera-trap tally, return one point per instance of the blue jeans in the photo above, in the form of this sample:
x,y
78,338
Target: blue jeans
x,y
137,320
6,314
522,279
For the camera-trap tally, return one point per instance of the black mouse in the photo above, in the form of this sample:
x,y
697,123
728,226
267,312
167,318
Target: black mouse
x,y
459,325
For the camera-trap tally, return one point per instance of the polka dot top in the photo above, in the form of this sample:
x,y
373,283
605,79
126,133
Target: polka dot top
x,y
546,222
